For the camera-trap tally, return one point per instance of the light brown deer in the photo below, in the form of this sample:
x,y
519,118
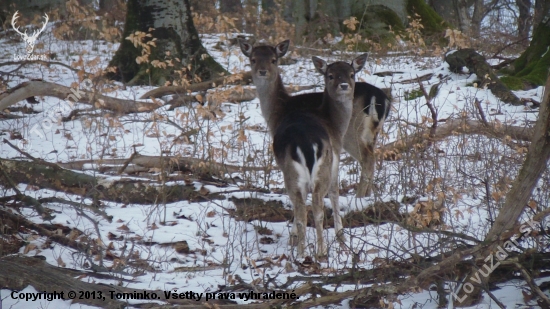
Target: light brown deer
x,y
307,134
371,107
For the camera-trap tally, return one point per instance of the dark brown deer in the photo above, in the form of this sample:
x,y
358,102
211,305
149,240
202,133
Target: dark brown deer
x,y
307,134
371,107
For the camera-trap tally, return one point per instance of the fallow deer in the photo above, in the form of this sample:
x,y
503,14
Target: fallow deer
x,y
371,107
307,134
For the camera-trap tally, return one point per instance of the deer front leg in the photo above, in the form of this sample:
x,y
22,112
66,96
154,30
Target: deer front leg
x,y
334,196
318,206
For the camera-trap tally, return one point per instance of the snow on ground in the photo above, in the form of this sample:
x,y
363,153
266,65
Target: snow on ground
x,y
221,247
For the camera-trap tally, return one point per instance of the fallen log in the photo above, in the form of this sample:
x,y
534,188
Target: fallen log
x,y
455,126
476,63
170,163
71,95
109,189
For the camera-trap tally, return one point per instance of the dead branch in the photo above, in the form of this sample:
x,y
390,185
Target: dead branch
x,y
417,79
431,107
532,284
60,239
42,88
46,63
481,113
456,126
234,79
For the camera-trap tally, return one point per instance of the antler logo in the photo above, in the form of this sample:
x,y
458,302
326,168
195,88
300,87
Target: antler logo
x,y
29,39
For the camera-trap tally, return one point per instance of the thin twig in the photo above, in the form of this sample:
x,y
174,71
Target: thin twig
x,y
125,165
481,112
493,297
48,63
431,107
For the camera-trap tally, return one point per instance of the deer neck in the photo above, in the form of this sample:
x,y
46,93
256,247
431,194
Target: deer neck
x,y
339,112
272,97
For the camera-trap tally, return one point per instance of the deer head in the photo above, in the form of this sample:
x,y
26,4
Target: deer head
x,y
30,40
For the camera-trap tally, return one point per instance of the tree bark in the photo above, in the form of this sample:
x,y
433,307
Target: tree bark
x,y
176,36
532,66
476,63
231,6
524,20
455,12
541,11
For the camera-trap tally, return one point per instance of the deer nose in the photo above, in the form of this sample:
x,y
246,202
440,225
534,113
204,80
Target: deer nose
x,y
262,72
344,86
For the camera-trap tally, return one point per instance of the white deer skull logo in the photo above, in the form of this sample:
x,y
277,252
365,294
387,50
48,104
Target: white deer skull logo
x,y
29,39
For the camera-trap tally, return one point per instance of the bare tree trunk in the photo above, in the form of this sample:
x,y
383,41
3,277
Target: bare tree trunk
x,y
269,8
231,6
517,198
344,10
524,20
541,11
176,37
464,19
202,6
448,10
300,14
328,12
533,64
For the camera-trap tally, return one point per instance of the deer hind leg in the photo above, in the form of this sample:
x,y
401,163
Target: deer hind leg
x,y
364,188
298,231
319,216
369,169
322,171
368,158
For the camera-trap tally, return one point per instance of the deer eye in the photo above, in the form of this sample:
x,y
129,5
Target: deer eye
x,y
331,77
253,61
273,61
352,75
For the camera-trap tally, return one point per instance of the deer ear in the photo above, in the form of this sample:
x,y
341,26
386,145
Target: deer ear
x,y
246,48
320,64
359,62
282,48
